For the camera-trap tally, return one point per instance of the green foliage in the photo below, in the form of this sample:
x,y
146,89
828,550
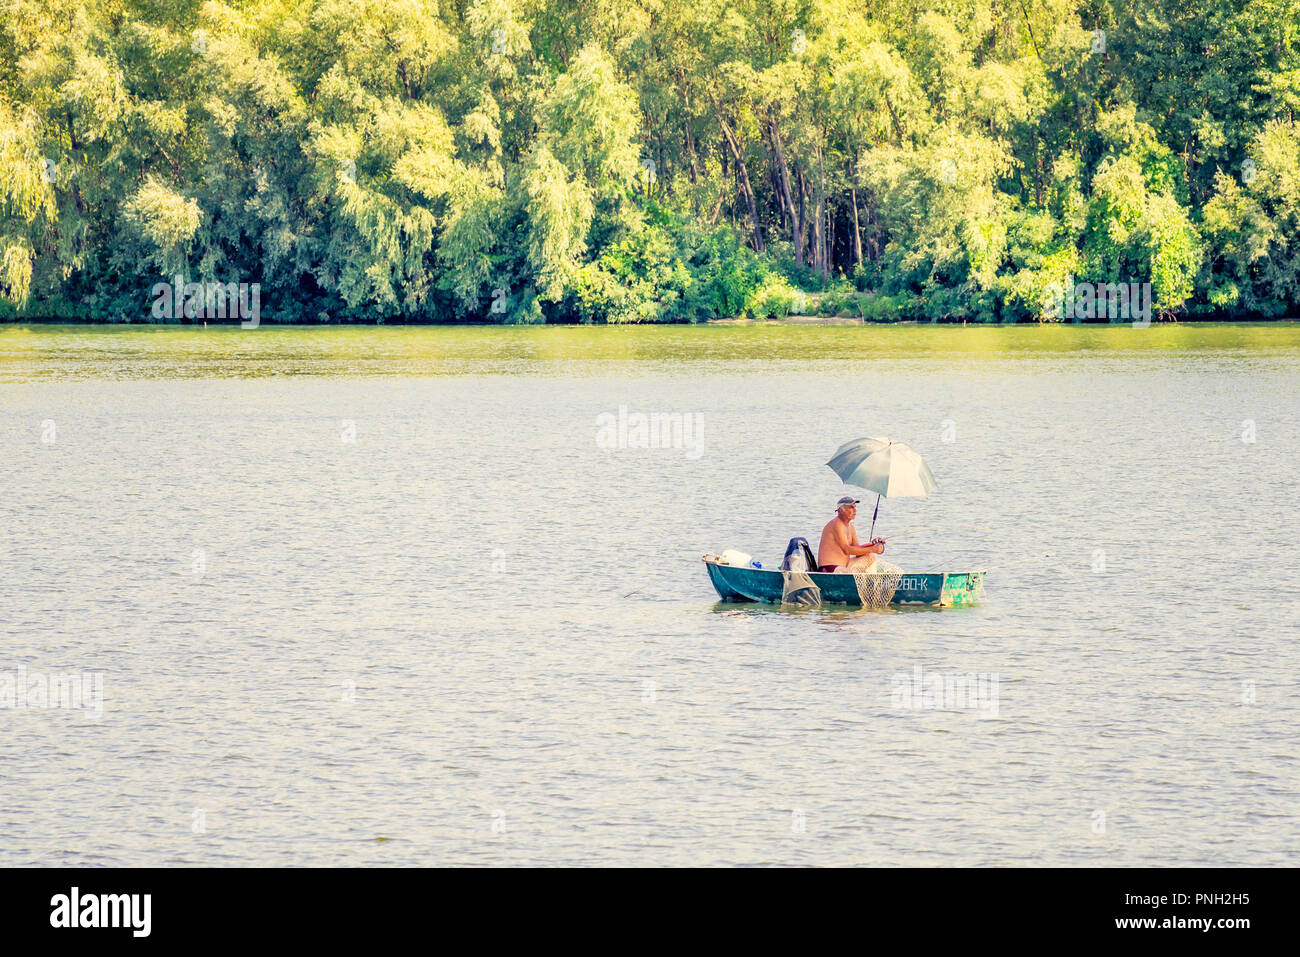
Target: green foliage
x,y
165,221
638,279
1253,229
774,298
650,160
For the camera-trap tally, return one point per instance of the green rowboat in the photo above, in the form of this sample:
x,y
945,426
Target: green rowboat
x,y
937,589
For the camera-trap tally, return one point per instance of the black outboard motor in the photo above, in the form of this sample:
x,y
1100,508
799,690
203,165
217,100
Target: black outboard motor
x,y
799,587
799,545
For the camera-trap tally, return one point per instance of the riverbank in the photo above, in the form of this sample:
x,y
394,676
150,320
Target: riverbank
x,y
222,351
849,321
788,320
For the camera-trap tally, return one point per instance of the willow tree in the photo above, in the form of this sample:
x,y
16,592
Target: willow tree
x,y
383,157
26,200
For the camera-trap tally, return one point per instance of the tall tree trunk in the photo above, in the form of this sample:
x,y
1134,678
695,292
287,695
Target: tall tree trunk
x,y
774,176
803,202
690,152
857,229
822,205
819,238
659,158
742,170
831,210
783,180
686,127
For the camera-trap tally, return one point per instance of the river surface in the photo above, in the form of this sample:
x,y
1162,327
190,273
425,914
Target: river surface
x,y
411,596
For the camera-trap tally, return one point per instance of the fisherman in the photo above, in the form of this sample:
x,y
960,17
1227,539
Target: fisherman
x,y
839,548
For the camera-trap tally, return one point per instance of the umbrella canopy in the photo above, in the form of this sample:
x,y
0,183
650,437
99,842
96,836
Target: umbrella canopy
x,y
891,469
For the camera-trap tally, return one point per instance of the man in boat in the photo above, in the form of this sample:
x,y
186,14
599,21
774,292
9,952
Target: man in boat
x,y
839,548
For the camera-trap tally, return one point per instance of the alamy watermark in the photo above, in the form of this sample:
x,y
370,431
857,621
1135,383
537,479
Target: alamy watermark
x,y
208,300
1122,301
26,690
653,430
75,909
940,692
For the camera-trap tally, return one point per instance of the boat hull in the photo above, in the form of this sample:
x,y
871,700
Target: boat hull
x,y
936,589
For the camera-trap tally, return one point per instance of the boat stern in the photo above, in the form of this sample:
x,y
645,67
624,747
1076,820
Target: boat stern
x,y
963,588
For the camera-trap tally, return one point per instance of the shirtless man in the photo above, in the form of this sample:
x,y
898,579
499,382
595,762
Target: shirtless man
x,y
839,545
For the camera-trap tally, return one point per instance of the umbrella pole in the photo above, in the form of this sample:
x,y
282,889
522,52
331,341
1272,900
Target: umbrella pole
x,y
873,519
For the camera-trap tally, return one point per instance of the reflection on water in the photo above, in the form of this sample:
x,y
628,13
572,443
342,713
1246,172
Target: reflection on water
x,y
142,351
351,584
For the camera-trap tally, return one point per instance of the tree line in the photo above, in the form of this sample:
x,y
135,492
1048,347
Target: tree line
x,y
649,160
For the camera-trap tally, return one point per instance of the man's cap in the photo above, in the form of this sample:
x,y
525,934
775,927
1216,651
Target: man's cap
x,y
846,500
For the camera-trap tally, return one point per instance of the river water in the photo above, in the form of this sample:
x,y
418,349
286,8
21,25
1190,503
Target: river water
x,y
407,596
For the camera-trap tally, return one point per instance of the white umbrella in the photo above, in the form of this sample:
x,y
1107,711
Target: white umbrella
x,y
891,469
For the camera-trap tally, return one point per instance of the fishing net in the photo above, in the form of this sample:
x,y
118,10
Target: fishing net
x,y
799,588
877,583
